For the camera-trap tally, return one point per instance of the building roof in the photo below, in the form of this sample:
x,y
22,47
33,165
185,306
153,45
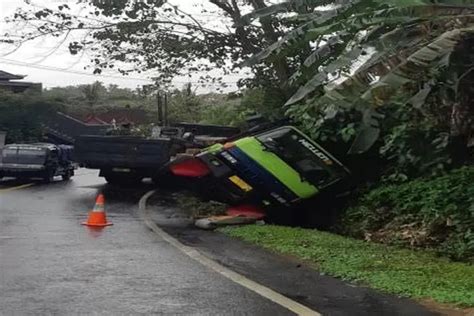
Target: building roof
x,y
17,84
8,76
92,119
120,115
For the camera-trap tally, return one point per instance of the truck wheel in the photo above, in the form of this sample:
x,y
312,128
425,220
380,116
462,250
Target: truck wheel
x,y
48,177
67,176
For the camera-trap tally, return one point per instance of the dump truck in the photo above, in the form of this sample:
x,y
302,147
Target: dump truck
x,y
274,168
37,160
124,159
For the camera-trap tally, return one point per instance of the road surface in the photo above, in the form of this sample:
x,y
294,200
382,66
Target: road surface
x,y
51,265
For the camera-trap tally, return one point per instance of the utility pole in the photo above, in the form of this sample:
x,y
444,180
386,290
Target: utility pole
x,y
165,115
160,108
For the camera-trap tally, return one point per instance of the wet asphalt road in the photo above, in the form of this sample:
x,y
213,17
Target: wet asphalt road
x,y
51,265
289,276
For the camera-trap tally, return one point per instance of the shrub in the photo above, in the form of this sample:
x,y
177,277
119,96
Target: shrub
x,y
436,212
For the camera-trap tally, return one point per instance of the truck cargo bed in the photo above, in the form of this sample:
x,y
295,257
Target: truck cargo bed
x,y
98,152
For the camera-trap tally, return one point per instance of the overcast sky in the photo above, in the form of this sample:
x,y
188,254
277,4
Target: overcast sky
x,y
33,57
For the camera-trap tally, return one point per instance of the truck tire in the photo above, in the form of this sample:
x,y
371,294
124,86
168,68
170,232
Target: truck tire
x,y
48,177
67,175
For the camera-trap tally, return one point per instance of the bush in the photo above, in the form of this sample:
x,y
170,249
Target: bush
x,y
21,114
436,212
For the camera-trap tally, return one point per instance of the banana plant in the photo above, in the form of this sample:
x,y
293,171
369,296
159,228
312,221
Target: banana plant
x,y
366,51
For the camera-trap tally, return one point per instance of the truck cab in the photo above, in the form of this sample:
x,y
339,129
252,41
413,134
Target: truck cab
x,y
277,167
38,160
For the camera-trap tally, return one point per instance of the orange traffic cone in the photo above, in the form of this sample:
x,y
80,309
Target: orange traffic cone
x,y
97,216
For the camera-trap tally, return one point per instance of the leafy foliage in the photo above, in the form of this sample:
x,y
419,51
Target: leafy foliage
x,y
417,274
415,142
427,212
20,115
369,54
93,92
222,109
83,100
156,35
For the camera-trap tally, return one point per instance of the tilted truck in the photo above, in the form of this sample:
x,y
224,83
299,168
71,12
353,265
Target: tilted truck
x,y
125,159
273,169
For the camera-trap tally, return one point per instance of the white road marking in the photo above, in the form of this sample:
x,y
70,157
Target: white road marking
x,y
235,277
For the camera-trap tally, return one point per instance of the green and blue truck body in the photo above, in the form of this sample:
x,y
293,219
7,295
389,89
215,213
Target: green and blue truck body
x,y
281,166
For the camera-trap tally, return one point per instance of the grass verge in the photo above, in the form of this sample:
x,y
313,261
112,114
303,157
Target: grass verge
x,y
417,274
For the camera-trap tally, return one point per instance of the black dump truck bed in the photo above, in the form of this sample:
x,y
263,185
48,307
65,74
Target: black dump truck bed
x,y
97,152
123,159
127,159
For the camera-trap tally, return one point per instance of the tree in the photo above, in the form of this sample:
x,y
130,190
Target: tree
x,y
21,115
368,55
93,92
184,105
78,100
156,35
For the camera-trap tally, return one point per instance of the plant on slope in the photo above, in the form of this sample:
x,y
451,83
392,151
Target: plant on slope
x,y
369,54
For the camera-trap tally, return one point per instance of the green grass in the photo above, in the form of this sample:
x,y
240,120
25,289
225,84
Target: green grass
x,y
417,274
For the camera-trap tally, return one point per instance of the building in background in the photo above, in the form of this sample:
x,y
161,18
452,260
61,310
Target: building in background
x,y
13,83
118,115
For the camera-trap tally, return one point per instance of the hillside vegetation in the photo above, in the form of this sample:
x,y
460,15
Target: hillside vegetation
x,y
429,212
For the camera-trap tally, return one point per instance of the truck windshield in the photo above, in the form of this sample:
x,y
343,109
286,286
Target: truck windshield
x,y
302,155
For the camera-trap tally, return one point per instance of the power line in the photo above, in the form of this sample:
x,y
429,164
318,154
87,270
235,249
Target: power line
x,y
50,68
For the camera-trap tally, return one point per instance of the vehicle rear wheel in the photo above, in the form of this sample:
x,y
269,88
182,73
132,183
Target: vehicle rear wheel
x,y
67,176
48,177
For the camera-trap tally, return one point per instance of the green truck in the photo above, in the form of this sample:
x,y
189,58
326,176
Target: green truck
x,y
275,168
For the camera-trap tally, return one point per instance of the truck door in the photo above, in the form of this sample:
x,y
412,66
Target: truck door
x,y
31,156
10,155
